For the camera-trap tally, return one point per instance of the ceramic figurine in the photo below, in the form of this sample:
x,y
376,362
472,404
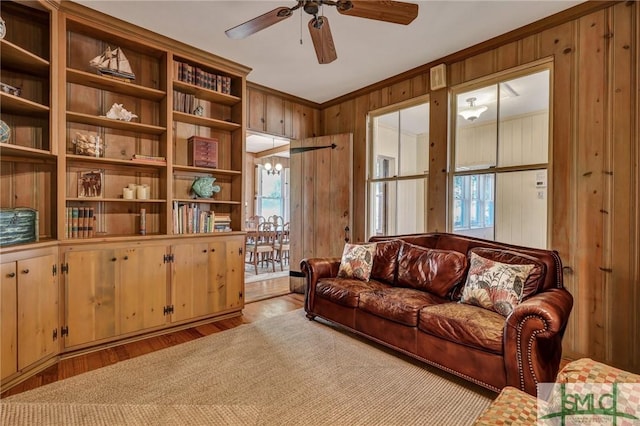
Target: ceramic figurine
x,y
203,187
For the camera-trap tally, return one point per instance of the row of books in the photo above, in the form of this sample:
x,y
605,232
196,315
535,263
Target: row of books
x,y
190,218
80,222
195,75
184,102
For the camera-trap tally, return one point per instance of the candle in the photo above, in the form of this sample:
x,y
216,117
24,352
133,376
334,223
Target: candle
x,y
127,193
143,192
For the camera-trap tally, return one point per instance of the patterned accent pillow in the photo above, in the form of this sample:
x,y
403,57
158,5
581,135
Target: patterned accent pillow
x,y
357,261
494,285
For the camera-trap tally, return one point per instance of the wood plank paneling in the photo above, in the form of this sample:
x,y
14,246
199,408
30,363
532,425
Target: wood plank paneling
x,y
622,191
438,148
594,210
590,183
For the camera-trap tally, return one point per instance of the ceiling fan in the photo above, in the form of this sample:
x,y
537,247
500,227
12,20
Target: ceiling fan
x,y
397,12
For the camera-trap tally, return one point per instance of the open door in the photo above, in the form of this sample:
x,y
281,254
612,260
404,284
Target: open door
x,y
321,200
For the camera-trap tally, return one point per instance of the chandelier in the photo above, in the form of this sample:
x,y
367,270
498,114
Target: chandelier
x,y
271,168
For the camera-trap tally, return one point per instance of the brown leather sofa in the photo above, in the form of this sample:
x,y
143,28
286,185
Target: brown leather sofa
x,y
411,304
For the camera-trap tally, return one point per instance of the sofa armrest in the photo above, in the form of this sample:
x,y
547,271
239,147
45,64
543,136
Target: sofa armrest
x,y
533,339
314,269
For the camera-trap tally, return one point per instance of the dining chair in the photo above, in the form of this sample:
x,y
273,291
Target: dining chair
x,y
281,246
259,245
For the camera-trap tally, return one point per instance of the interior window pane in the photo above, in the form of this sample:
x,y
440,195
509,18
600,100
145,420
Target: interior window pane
x,y
524,120
521,208
476,129
473,205
386,134
411,213
414,140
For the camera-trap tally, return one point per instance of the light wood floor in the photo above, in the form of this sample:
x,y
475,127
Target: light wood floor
x,y
69,367
266,289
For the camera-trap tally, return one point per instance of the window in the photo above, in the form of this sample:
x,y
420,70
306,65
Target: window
x,y
398,167
272,193
501,157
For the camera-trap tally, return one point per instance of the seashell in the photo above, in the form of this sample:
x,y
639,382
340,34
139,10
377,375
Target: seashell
x,y
118,112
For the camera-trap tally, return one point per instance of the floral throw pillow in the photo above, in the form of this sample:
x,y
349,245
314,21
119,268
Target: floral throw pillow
x,y
357,261
494,285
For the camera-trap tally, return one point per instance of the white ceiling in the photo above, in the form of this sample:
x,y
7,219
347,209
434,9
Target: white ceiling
x,y
368,50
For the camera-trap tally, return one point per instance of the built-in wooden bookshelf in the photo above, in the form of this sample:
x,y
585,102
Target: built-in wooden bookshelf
x,y
125,271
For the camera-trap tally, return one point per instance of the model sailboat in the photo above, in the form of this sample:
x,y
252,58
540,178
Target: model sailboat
x,y
113,62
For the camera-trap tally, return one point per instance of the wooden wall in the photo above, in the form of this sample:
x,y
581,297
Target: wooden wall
x,y
594,217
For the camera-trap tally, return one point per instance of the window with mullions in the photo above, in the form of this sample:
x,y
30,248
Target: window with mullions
x,y
272,193
501,157
398,166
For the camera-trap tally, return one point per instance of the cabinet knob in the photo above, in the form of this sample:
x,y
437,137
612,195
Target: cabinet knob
x,y
204,251
11,274
113,259
25,271
213,250
126,258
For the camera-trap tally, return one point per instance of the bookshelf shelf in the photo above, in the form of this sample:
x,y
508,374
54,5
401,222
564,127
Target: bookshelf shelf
x,y
129,126
14,56
16,105
206,94
113,85
205,121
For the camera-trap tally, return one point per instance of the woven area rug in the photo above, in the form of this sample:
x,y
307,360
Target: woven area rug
x,y
285,370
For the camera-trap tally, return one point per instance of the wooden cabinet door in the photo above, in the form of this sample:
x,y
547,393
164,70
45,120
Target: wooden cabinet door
x,y
91,311
190,295
227,272
256,110
37,309
8,320
142,287
275,115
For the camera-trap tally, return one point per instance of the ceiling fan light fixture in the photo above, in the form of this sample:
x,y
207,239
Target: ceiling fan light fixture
x,y
473,111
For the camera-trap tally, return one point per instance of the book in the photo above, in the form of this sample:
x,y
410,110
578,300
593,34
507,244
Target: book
x,y
74,222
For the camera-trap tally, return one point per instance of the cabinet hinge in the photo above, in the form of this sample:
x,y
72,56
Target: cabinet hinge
x,y
168,258
168,310
240,295
64,267
54,270
64,331
55,334
240,251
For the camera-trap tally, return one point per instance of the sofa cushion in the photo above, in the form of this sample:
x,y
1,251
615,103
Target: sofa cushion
x,y
397,304
345,291
494,285
385,261
536,276
357,260
432,270
464,324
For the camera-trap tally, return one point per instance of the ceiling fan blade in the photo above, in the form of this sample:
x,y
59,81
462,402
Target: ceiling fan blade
x,y
397,12
322,40
259,23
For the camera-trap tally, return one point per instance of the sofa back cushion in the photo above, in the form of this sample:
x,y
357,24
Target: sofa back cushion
x,y
385,261
432,270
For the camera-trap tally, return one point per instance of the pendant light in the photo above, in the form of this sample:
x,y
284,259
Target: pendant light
x,y
473,112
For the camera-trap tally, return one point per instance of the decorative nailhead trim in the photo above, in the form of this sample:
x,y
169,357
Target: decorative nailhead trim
x,y
419,358
529,348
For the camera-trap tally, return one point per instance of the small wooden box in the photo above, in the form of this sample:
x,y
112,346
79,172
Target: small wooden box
x,y
19,225
203,152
